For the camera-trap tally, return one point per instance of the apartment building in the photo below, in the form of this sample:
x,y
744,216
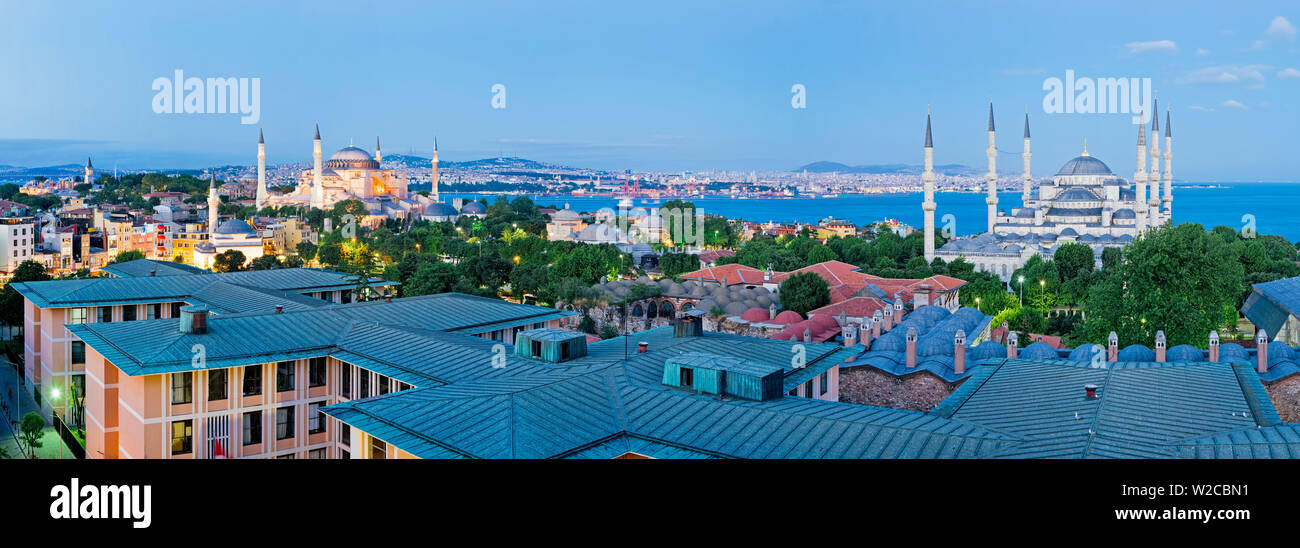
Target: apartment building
x,y
17,240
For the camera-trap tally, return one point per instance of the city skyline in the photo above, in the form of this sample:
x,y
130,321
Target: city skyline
x,y
679,88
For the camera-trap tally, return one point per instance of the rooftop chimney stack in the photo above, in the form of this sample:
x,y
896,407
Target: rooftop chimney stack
x,y
1112,347
642,347
1214,345
850,332
876,320
194,319
807,335
889,318
1161,343
911,347
921,297
1261,351
1090,391
959,352
279,308
771,310
1013,345
153,273
898,308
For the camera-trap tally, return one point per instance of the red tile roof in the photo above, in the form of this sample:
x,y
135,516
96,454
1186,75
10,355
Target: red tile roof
x,y
856,307
734,273
710,256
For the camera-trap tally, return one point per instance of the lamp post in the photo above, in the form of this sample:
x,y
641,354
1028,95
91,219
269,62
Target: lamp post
x,y
1021,289
977,304
54,397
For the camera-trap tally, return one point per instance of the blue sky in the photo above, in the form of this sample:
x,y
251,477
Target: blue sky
x,y
651,85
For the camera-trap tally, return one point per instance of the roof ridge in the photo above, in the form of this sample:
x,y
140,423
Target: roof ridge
x,y
1092,426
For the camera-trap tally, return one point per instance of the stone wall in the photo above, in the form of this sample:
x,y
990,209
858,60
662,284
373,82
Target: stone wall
x,y
867,386
1286,398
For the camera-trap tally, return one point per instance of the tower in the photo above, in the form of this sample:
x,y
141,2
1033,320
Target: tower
x,y
379,156
992,176
317,191
1169,170
928,206
433,175
1140,179
261,171
1153,203
88,173
214,203
1027,178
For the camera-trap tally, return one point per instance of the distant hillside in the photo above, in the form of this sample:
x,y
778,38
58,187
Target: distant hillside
x,y
48,171
877,169
414,162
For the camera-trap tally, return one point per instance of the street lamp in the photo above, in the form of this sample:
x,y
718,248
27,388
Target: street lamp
x,y
1021,280
54,397
977,303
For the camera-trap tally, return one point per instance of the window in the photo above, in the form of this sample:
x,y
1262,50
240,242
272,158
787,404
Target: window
x,y
253,380
182,436
152,311
216,384
78,353
824,379
284,376
316,453
383,385
315,419
252,427
104,314
128,313
286,456
76,315
688,377
181,387
365,383
345,297
316,372
176,309
344,454
284,423
345,434
808,389
345,381
378,449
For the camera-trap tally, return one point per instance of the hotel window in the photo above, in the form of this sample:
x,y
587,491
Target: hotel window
x,y
286,456
378,449
181,387
252,427
152,311
316,453
345,381
253,380
76,315
345,434
128,313
216,384
78,353
808,389
176,309
344,454
284,376
315,419
383,385
365,383
104,314
316,372
182,436
824,380
284,423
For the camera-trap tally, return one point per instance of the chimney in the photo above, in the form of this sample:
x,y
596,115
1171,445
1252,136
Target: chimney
x,y
875,325
1013,341
807,335
194,319
850,332
864,336
1160,346
1261,351
1112,347
898,309
279,308
959,352
921,296
767,274
1006,330
724,281
1090,391
911,347
153,273
889,318
1214,346
388,298
771,310
642,347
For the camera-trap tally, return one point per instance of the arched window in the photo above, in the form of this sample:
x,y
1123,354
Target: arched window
x,y
666,309
637,310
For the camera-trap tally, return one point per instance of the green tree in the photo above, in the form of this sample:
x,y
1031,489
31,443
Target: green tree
x,y
229,261
804,292
676,264
528,279
330,254
306,250
27,271
431,278
821,254
265,262
129,255
33,428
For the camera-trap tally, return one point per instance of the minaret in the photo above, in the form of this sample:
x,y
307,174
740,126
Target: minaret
x,y
927,178
89,173
1169,170
1153,203
317,191
992,176
261,171
1140,179
214,203
379,156
1027,179
433,175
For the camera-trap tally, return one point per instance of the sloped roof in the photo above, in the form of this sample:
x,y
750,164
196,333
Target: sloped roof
x,y
1270,303
142,267
734,273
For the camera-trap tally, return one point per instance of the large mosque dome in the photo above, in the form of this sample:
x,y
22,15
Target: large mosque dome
x,y
352,158
1085,165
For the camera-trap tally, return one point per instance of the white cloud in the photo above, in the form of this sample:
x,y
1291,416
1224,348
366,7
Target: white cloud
x,y
1233,104
1225,74
1165,46
1200,108
1280,28
1202,52
1288,73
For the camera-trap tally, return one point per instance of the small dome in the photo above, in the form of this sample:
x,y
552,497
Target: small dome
x,y
1124,214
1184,353
1084,353
1278,352
934,346
473,208
439,209
734,309
1233,352
351,158
1077,194
1084,165
565,214
755,315
1137,353
235,227
1039,351
787,317
1069,232
826,321
889,342
986,350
